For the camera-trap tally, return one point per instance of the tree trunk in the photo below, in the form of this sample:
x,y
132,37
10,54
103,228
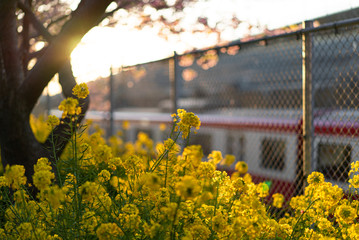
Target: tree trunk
x,y
17,141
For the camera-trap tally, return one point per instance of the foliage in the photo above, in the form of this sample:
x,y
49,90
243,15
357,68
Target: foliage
x,y
145,191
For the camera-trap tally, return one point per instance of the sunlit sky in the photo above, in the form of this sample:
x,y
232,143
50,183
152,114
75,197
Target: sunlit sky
x,y
104,47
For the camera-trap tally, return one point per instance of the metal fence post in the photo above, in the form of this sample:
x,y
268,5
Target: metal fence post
x,y
173,82
112,107
307,100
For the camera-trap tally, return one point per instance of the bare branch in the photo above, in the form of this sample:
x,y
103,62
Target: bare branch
x,y
120,5
35,22
25,46
64,17
83,19
37,54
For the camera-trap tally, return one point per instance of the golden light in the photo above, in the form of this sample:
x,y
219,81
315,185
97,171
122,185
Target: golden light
x,y
104,47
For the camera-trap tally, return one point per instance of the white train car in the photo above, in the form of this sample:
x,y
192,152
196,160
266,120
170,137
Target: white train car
x,y
269,141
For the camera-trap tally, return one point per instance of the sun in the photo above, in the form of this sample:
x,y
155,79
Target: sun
x,y
105,47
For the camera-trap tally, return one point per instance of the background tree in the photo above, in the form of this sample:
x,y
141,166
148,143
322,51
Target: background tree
x,y
36,40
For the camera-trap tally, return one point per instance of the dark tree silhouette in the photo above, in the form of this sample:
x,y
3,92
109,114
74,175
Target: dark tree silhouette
x,y
22,24
20,88
25,71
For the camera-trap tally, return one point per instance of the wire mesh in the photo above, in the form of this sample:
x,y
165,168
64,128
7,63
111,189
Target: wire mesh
x,y
249,98
335,90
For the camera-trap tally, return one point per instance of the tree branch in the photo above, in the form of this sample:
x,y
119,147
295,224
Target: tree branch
x,y
121,5
83,19
35,22
36,54
57,20
25,46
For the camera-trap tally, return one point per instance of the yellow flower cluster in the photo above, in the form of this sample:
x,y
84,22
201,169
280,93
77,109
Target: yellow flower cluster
x,y
81,90
185,121
278,200
323,206
43,175
141,191
53,121
69,106
14,176
354,176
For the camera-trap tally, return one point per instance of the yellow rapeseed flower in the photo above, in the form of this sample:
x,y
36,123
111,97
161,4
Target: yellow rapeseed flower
x,y
345,214
152,230
219,223
108,231
325,225
114,181
69,106
241,167
354,167
163,127
278,200
89,221
152,180
240,185
215,157
53,121
3,182
354,182
126,125
89,190
193,154
43,179
185,121
198,231
42,164
188,187
353,231
104,176
205,170
54,196
20,196
81,90
315,178
228,160
24,230
262,190
14,176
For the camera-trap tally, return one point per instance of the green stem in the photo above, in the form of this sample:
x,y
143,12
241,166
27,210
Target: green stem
x,y
163,155
173,232
300,217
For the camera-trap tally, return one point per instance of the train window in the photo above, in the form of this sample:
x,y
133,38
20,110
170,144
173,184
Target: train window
x,y
235,146
205,140
334,161
273,154
230,145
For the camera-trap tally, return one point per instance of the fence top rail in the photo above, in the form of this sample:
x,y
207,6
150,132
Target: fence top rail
x,y
298,34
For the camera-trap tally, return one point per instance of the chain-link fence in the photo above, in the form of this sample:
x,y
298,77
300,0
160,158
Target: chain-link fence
x,y
286,105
